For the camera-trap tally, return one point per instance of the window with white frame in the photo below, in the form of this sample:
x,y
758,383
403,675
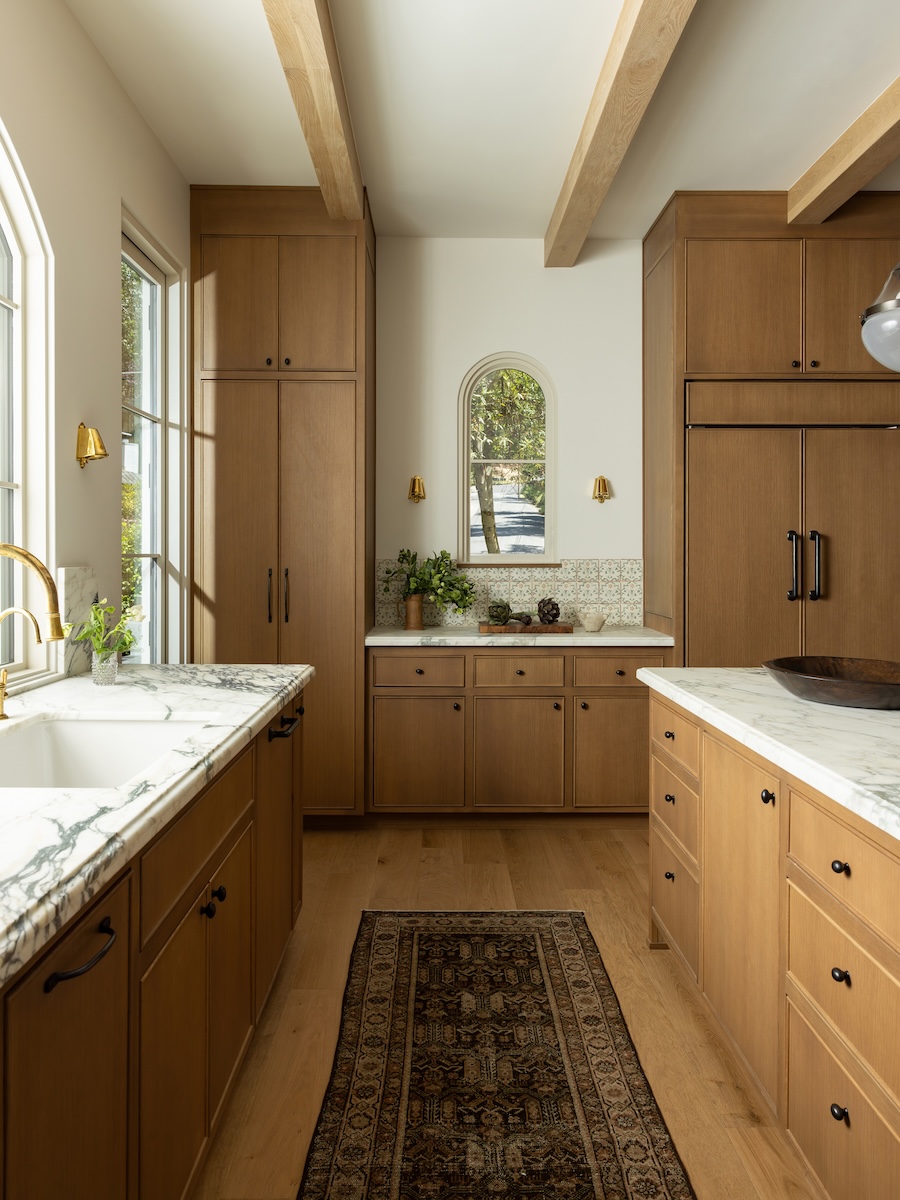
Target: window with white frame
x,y
507,511
144,327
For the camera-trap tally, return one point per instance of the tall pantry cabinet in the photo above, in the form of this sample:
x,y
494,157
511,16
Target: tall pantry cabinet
x,y
283,435
771,440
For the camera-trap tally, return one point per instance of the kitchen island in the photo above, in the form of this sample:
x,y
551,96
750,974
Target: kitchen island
x,y
775,880
141,925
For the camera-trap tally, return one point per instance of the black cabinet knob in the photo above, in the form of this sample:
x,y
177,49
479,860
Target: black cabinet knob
x,y
420,671
840,976
584,704
300,711
670,875
219,893
813,362
840,868
840,1114
767,797
268,362
618,672
287,362
518,672
670,735
795,362
669,798
208,910
456,707
556,705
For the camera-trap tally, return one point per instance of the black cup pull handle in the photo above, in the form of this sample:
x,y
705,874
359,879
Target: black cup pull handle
x,y
105,927
794,538
840,976
840,1114
816,538
840,868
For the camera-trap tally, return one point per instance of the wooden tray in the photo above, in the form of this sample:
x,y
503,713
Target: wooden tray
x,y
535,627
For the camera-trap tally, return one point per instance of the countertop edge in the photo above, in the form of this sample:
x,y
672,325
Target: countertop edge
x,y
635,636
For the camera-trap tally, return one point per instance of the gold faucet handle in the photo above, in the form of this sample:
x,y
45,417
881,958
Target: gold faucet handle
x,y
4,675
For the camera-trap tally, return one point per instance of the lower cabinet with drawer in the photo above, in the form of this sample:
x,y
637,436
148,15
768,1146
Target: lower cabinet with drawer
x,y
793,938
497,729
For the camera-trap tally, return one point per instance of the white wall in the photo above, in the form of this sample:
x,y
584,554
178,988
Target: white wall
x,y
444,304
86,152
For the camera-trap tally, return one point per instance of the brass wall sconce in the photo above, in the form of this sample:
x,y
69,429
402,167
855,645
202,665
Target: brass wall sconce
x,y
601,488
89,445
416,489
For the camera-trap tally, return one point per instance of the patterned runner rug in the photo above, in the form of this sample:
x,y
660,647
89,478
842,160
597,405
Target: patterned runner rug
x,y
484,1055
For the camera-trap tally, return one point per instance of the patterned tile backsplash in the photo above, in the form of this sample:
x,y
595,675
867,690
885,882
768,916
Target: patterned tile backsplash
x,y
611,585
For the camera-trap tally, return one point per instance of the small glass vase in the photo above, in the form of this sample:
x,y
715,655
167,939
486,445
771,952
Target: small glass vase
x,y
104,668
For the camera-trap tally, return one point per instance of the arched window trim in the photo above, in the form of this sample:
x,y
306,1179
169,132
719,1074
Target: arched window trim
x,y
517,362
33,440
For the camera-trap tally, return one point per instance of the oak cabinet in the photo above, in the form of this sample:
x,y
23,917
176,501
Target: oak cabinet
x,y
283,428
758,306
518,751
674,898
808,570
66,1058
278,303
517,729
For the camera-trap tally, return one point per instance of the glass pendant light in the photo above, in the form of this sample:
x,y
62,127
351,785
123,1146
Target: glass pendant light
x,y
881,324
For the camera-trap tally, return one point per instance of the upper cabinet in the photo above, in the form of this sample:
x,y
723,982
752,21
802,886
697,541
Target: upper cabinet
x,y
781,306
283,303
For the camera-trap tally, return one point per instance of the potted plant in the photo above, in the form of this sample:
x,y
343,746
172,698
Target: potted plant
x,y
435,578
107,640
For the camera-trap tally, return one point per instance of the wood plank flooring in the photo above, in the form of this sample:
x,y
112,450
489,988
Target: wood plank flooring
x,y
727,1139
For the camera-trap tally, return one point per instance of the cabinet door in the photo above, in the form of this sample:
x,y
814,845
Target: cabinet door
x,y
843,277
317,303
239,288
518,750
274,826
611,764
743,306
236,587
67,1061
297,818
852,500
743,496
320,511
419,752
173,1041
742,886
230,967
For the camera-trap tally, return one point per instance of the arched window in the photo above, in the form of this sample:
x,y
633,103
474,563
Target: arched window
x,y
507,511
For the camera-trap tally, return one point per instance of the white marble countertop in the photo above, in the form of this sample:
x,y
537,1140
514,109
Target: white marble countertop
x,y
468,635
851,755
59,847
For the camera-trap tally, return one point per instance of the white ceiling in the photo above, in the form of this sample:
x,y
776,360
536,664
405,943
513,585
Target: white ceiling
x,y
466,113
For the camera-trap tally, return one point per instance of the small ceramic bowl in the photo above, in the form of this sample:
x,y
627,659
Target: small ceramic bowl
x,y
592,622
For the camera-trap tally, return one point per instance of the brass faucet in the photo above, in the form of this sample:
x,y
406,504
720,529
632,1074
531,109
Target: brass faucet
x,y
56,633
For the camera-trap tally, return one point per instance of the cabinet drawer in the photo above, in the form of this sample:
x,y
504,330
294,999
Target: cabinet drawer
x,y
865,1006
593,671
525,670
675,804
425,670
675,899
869,879
854,1158
677,735
172,863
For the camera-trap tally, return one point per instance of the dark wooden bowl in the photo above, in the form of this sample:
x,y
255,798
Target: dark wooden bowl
x,y
851,682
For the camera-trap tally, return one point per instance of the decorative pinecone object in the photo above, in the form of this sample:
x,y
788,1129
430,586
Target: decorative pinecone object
x,y
548,611
524,617
498,613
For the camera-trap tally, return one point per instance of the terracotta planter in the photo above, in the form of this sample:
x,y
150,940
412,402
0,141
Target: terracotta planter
x,y
413,606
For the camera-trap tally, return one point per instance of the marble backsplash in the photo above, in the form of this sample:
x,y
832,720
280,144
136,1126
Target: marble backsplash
x,y
614,586
77,592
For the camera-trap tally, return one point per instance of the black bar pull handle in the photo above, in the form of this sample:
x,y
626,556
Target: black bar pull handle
x,y
289,726
794,537
287,600
105,927
816,538
269,596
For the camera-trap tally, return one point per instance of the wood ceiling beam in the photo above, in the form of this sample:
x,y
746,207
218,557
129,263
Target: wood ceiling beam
x,y
304,38
864,150
645,36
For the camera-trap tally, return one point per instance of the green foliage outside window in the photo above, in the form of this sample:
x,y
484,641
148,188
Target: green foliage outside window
x,y
132,343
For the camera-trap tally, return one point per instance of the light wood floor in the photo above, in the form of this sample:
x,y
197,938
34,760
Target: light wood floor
x,y
724,1133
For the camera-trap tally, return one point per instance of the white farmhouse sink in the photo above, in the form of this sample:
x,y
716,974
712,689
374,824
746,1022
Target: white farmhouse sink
x,y
54,751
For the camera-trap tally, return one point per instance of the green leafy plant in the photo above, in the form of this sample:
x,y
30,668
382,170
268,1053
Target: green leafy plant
x,y
106,638
435,578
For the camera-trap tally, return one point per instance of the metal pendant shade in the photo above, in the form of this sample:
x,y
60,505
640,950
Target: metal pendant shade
x,y
881,324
